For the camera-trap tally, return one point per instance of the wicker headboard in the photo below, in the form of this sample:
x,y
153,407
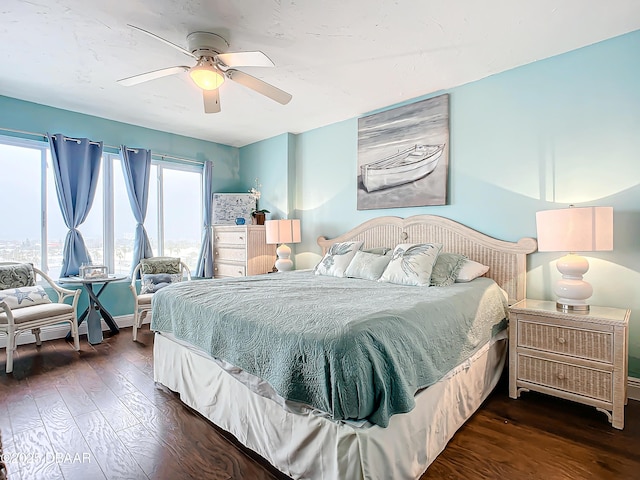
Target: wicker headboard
x,y
507,261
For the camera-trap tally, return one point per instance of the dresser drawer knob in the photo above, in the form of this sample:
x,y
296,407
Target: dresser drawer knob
x,y
215,269
216,252
241,238
217,238
561,340
561,376
240,272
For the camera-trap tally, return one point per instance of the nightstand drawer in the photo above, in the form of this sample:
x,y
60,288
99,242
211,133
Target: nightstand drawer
x,y
588,382
228,270
577,342
231,254
230,237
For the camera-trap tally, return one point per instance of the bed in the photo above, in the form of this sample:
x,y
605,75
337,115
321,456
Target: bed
x,y
250,368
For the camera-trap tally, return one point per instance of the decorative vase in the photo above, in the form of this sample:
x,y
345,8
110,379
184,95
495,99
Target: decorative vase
x,y
259,218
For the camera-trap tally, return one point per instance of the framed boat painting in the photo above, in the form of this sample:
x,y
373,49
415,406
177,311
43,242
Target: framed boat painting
x,y
403,156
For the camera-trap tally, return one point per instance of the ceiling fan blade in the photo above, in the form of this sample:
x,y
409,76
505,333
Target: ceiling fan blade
x,y
171,44
145,77
211,101
259,86
245,59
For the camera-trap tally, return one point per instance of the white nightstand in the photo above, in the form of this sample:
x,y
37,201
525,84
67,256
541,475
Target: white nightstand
x,y
576,356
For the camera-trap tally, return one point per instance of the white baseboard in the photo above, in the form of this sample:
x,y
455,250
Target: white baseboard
x,y
633,388
60,331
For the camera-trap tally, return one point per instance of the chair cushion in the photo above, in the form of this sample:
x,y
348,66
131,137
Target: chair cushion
x,y
37,312
16,275
145,299
160,265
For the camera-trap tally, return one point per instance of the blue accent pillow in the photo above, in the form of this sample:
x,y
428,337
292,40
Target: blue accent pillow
x,y
152,282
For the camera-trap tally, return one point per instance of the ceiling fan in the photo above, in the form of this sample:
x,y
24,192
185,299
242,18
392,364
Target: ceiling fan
x,y
213,66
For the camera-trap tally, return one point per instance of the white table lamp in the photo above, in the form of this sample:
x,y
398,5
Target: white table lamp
x,y
283,232
574,229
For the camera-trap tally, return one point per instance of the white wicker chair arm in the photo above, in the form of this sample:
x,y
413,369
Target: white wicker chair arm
x,y
7,310
63,293
134,279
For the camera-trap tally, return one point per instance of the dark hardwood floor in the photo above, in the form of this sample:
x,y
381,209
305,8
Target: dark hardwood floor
x,y
98,414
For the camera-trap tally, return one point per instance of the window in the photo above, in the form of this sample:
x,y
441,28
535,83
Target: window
x,y
182,223
22,168
37,232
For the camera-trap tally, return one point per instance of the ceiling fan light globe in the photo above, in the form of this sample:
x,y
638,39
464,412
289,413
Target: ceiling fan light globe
x,y
206,78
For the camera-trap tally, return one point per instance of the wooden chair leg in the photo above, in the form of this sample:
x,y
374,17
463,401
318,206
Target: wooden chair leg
x,y
36,332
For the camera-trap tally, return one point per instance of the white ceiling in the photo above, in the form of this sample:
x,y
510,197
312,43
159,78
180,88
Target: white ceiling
x,y
339,59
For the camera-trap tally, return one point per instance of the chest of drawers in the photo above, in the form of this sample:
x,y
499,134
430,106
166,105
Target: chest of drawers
x,y
576,356
241,250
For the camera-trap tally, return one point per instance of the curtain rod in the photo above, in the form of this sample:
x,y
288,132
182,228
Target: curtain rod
x,y
157,155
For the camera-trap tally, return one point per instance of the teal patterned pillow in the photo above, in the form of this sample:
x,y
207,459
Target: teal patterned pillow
x,y
16,276
160,265
368,266
446,269
411,264
337,259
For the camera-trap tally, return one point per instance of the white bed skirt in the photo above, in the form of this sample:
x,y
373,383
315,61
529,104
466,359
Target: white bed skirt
x,y
307,446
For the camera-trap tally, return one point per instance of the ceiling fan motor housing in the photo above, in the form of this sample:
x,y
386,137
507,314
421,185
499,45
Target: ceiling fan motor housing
x,y
205,44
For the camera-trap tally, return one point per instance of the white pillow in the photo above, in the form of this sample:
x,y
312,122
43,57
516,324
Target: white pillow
x,y
411,264
24,297
337,259
368,266
471,270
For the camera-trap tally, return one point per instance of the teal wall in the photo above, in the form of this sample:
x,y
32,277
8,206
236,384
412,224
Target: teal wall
x,y
31,117
273,162
558,131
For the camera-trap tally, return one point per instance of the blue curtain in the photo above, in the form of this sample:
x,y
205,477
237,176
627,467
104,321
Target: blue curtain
x,y
136,166
76,167
205,259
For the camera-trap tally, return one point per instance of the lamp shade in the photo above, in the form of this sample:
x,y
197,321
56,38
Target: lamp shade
x,y
283,231
575,229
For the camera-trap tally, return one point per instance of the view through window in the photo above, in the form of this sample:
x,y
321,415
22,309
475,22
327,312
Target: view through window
x,y
173,221
21,177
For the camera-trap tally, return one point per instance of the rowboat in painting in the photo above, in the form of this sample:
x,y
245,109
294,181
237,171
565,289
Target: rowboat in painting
x,y
402,167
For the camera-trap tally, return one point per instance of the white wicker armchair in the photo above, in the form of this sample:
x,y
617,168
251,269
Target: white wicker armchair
x,y
15,321
142,301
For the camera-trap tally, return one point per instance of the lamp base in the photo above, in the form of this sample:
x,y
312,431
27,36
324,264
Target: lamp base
x,y
284,263
571,289
564,307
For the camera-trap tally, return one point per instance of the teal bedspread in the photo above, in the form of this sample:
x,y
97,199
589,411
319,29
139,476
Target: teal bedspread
x,y
353,348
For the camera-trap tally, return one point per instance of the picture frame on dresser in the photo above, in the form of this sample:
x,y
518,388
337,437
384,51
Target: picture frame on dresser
x,y
582,357
229,207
